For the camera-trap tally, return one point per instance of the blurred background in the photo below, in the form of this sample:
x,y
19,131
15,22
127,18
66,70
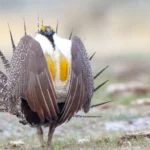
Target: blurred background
x,y
109,27
118,31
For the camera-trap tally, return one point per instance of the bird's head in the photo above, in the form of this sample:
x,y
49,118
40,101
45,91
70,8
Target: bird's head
x,y
47,31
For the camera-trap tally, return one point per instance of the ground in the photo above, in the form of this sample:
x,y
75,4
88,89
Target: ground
x,y
124,115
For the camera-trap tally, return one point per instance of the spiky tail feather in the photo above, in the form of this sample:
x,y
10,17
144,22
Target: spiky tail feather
x,y
4,61
12,40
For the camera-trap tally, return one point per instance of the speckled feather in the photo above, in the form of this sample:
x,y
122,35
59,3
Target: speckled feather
x,y
87,73
17,77
3,89
20,80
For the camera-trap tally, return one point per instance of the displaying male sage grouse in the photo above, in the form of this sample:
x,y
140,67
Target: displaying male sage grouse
x,y
48,80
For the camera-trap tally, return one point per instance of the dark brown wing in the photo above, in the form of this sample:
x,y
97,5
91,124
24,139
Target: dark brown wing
x,y
40,92
79,94
35,82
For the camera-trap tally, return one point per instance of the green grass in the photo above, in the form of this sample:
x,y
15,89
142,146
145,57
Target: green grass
x,y
102,143
129,100
121,117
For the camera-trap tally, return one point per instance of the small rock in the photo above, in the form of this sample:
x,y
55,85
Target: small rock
x,y
17,143
80,141
144,101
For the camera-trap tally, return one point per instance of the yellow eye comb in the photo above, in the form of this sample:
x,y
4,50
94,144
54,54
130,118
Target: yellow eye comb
x,y
51,29
43,28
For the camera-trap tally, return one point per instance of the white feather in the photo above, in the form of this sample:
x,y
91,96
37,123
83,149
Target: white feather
x,y
45,44
63,45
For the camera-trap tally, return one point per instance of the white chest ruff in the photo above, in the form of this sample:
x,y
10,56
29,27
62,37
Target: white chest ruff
x,y
60,63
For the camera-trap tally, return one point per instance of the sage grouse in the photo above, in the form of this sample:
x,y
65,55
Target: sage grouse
x,y
48,80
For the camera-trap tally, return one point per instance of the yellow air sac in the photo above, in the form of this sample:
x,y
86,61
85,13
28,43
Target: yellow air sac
x,y
64,68
51,65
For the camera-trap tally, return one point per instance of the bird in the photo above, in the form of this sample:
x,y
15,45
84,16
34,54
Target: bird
x,y
48,80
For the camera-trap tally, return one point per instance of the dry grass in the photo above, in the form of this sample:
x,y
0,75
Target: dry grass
x,y
102,143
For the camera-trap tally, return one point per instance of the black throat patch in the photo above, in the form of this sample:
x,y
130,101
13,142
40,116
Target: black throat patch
x,y
51,39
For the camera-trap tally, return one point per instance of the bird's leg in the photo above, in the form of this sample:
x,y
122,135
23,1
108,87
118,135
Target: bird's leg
x,y
50,135
40,135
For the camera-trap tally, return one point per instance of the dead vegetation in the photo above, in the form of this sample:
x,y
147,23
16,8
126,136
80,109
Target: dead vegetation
x,y
136,135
